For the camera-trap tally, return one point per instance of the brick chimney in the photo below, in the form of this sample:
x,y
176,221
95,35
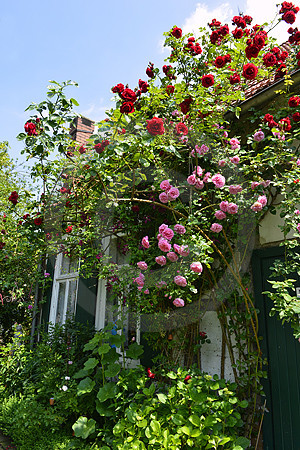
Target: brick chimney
x,y
81,129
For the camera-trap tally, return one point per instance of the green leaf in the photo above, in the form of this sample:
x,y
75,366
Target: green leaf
x,y
83,427
75,102
243,404
186,430
195,433
178,419
112,370
104,410
93,343
195,420
134,351
91,363
162,398
110,357
155,425
172,375
117,339
109,390
104,349
209,421
243,442
85,386
81,373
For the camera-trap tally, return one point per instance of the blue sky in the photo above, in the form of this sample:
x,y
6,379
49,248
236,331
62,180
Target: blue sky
x,y
95,43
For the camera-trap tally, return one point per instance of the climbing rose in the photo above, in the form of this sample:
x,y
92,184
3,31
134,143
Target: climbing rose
x,y
258,136
220,215
179,229
183,250
294,101
118,88
128,95
173,193
13,198
161,260
263,200
235,78
170,89
218,180
165,185
180,281
196,267
172,256
127,108
181,128
178,302
162,227
207,80
289,17
164,245
191,180
257,206
235,143
296,117
235,189
30,129
142,265
269,59
143,85
155,126
145,242
167,233
232,208
176,32
163,197
235,159
250,71
224,205
216,227
38,221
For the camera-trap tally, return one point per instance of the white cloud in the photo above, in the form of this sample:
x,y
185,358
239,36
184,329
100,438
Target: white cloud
x,y
204,15
95,111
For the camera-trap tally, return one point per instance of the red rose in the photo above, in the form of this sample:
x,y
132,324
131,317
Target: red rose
x,y
220,62
170,89
289,17
150,374
239,21
82,150
269,59
260,39
268,118
281,71
127,108
202,334
296,117
149,72
187,378
197,49
181,128
118,88
155,126
237,33
69,229
294,101
285,123
252,51
143,85
185,105
13,197
128,95
235,78
248,19
207,80
101,146
227,58
38,221
176,32
215,37
30,129
224,30
214,24
250,71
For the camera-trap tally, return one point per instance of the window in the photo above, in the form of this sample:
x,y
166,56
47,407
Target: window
x,y
65,287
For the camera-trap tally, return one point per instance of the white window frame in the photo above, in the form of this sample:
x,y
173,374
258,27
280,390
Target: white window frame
x,y
57,279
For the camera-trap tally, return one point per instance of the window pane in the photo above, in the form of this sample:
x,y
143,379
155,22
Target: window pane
x,y
68,265
60,303
72,298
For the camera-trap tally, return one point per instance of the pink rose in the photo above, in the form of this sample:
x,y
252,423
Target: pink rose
x,y
173,193
258,136
220,215
183,250
165,185
232,208
235,143
218,180
172,256
223,206
216,227
161,260
235,188
265,183
257,206
164,245
196,267
201,150
263,200
297,212
235,159
198,171
145,242
199,184
179,229
167,233
254,184
298,227
163,197
180,281
178,302
191,180
140,280
207,177
142,265
146,291
222,163
162,227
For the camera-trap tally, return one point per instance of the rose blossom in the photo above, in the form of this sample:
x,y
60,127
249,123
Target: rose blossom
x,y
235,143
222,163
257,206
183,250
263,200
173,193
179,228
180,281
196,267
162,227
145,242
206,177
172,256
250,71
161,260
216,227
258,136
142,265
235,188
164,245
191,180
199,184
220,215
163,197
178,302
165,185
298,227
181,128
232,208
254,184
167,233
207,80
218,180
201,150
224,205
297,212
155,126
235,159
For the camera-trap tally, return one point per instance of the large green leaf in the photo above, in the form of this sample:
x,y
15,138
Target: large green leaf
x,y
112,370
134,351
91,363
85,386
83,427
109,390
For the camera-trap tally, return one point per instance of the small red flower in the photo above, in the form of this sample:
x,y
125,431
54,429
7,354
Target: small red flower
x,y
127,108
207,80
38,221
155,126
187,378
170,89
294,101
181,128
235,78
118,88
202,335
176,32
100,147
250,71
69,229
150,374
13,197
143,85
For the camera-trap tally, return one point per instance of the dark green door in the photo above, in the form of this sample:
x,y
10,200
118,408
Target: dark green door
x,y
281,429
